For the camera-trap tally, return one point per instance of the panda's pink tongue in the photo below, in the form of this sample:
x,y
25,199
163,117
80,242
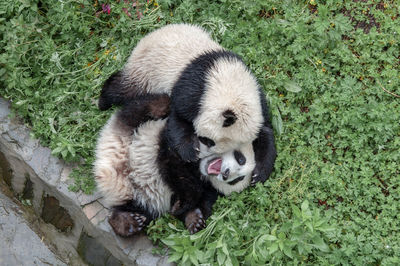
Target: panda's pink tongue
x,y
214,168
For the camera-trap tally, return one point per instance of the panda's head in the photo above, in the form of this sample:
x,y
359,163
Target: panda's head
x,y
231,171
230,113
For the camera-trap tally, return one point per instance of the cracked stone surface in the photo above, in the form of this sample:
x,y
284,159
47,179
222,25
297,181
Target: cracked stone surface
x,y
88,228
14,233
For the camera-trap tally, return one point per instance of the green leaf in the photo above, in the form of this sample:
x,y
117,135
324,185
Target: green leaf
x,y
185,257
304,206
225,250
71,150
193,259
64,153
296,211
174,257
281,245
292,86
56,151
173,227
267,238
320,244
277,123
168,242
220,257
309,226
288,251
228,261
273,248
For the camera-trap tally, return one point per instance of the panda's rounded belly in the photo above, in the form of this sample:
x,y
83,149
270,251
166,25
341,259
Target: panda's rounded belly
x,y
148,188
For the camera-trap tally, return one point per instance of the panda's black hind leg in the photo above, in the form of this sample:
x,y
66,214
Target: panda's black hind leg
x,y
128,219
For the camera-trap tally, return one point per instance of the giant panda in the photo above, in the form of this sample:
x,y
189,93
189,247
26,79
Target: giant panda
x,y
215,99
133,183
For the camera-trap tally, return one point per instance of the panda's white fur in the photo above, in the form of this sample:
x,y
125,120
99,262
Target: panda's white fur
x,y
126,167
159,59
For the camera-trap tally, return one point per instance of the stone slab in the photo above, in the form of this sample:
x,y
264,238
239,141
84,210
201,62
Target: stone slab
x,y
14,233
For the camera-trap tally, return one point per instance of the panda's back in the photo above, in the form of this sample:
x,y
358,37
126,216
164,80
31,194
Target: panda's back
x,y
148,187
159,58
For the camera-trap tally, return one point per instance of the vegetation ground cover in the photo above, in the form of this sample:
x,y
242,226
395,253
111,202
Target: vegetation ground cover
x,y
331,70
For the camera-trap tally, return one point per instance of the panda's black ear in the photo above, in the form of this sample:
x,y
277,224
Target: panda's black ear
x,y
230,118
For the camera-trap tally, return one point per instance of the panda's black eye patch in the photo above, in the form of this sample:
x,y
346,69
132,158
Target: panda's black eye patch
x,y
206,141
239,157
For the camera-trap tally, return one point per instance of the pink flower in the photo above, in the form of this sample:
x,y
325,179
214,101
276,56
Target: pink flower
x,y
106,8
126,12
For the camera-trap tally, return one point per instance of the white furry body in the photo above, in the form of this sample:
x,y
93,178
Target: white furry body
x,y
126,167
158,61
160,57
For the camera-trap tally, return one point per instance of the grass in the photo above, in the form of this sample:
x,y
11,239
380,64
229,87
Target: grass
x,y
331,70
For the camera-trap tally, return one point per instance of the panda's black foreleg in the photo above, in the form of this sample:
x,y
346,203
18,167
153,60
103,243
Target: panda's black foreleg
x,y
188,194
129,219
182,138
210,196
195,219
265,155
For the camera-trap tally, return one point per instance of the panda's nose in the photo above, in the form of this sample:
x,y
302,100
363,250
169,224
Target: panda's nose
x,y
225,174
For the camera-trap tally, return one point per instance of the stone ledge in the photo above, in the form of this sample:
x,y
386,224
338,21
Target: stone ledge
x,y
78,222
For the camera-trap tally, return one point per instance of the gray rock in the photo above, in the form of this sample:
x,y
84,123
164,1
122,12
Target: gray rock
x,y
147,259
94,252
4,109
20,245
40,160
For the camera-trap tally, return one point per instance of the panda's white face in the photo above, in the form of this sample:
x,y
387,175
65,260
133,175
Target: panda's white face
x,y
230,167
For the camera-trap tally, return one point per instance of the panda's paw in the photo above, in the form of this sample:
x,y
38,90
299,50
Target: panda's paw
x,y
194,221
190,149
258,175
126,224
176,208
180,208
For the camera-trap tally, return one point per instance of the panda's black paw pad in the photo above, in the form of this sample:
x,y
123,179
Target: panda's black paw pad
x,y
194,221
126,224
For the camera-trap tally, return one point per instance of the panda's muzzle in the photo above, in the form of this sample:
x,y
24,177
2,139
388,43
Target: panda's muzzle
x,y
225,174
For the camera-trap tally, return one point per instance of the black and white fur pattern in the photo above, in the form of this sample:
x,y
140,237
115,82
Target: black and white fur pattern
x,y
235,171
214,95
130,178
